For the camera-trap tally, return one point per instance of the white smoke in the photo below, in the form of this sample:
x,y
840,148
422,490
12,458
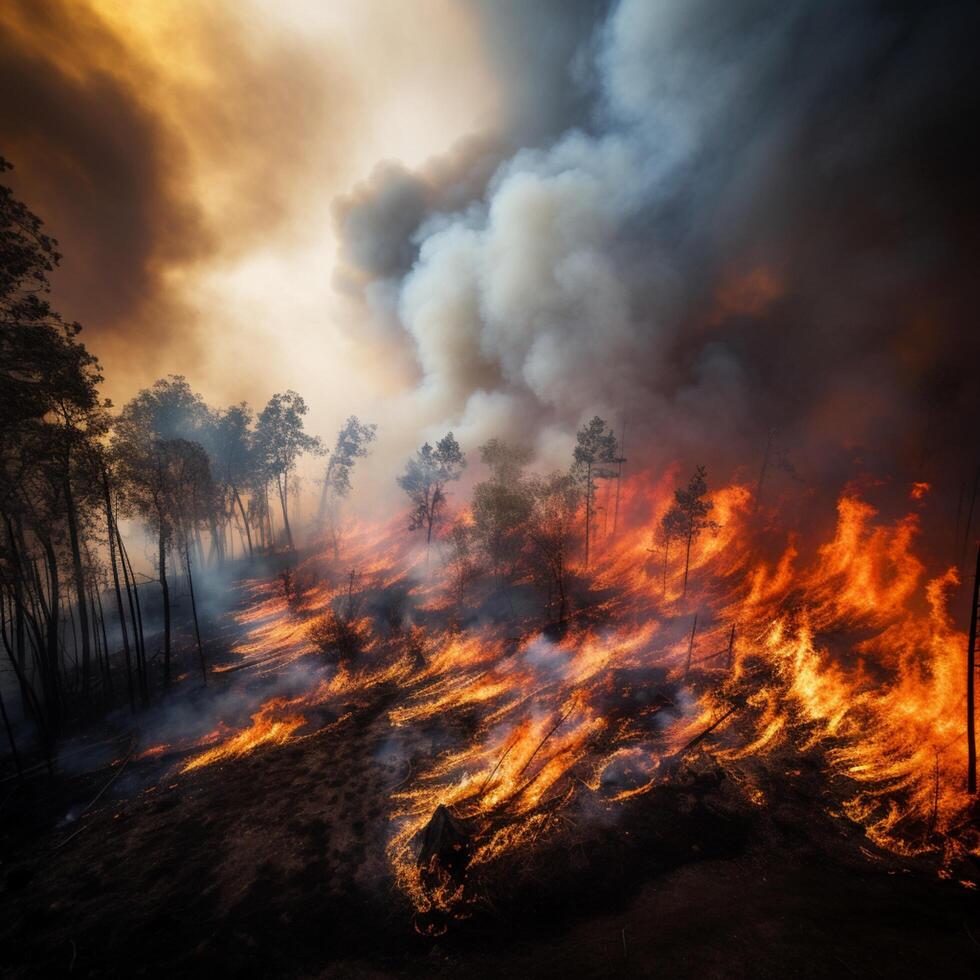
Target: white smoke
x,y
589,274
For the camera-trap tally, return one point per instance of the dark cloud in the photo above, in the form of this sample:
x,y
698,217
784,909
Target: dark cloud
x,y
92,159
145,174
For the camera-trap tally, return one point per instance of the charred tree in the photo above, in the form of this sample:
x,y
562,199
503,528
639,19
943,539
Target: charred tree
x,y
111,529
690,646
165,589
620,461
80,590
136,613
197,627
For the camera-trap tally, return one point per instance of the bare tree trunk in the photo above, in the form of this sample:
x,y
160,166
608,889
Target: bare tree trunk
x,y
562,594
687,558
282,483
217,542
110,693
133,597
68,616
432,515
20,616
197,628
588,512
619,476
164,585
241,507
50,673
200,551
32,707
111,529
690,646
76,560
10,737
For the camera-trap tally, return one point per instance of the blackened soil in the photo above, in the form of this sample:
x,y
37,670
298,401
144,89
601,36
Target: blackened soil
x,y
274,865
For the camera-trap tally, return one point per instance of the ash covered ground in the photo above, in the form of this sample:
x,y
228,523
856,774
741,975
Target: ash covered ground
x,y
274,863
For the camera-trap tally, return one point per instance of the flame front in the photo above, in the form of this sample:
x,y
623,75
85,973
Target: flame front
x,y
851,654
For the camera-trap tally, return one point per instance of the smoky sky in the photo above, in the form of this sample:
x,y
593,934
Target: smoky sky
x,y
711,218
108,140
707,218
91,158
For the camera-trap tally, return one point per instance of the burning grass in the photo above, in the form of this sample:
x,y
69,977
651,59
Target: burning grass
x,y
509,740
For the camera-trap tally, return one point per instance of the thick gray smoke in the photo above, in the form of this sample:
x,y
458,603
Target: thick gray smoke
x,y
722,216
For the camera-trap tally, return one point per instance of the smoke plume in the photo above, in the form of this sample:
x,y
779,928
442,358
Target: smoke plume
x,y
753,215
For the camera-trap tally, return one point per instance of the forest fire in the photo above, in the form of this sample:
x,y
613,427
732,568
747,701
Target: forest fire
x,y
270,725
489,489
851,654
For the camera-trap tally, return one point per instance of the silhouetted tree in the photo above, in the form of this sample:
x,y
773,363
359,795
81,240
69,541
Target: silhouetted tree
x,y
165,478
50,414
353,443
694,511
555,503
280,440
595,456
461,564
501,507
672,527
229,441
424,480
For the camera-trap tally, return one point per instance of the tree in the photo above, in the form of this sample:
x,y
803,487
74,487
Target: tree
x,y
229,441
555,503
280,440
459,560
501,507
170,409
353,443
672,527
620,461
50,413
424,480
595,455
194,492
693,513
112,534
76,426
342,633
165,478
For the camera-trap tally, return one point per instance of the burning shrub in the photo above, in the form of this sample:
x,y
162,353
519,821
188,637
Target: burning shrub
x,y
342,634
338,636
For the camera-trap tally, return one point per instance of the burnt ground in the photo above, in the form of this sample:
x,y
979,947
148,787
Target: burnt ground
x,y
274,864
